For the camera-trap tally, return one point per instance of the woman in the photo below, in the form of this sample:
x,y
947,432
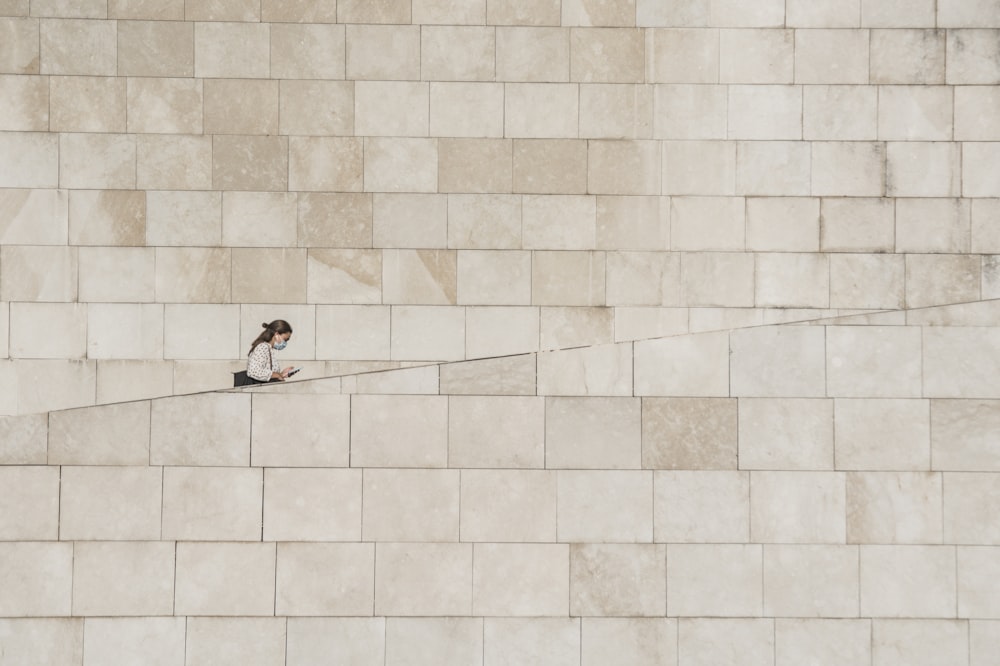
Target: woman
x,y
261,365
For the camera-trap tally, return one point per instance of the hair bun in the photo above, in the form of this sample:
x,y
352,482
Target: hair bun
x,y
266,325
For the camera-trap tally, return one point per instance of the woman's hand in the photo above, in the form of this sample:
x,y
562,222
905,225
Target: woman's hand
x,y
284,373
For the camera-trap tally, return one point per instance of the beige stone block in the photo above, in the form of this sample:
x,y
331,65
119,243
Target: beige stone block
x,y
756,56
235,495
484,221
873,361
541,111
507,375
449,12
352,332
707,223
212,640
953,14
52,641
797,507
783,224
639,223
164,105
823,14
32,160
689,433
407,116
201,430
494,277
857,225
785,434
344,276
383,52
231,50
37,580
520,580
558,222
350,640
78,46
690,365
419,277
714,580
241,106
616,580
616,111
109,217
866,281
811,581
34,217
916,113
882,434
601,370
983,638
500,331
985,233
979,169
839,113
312,504
792,280
297,11
554,641
202,332
919,642
466,110
97,161
528,512
723,279
335,220
908,581
225,579
130,578
638,641
382,11
532,54
457,53
321,164
781,168
231,156
325,579
962,435
222,10
86,104
399,431
644,278
682,55
923,50
779,362
411,505
446,641
701,507
475,165
550,167
894,507
38,274
259,219
607,55
24,439
973,120
52,385
736,14
968,508
307,51
894,13
977,582
423,579
400,165
941,279
113,503
124,380
971,57
523,12
594,433
931,225
834,642
765,112
848,169
8,407
269,275
831,56
20,51
319,425
156,48
184,219
419,380
699,168
146,9
605,507
613,13
29,503
568,278
48,330
107,435
193,275
101,270
623,167
494,431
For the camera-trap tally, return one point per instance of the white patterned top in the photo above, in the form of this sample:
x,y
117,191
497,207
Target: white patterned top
x,y
260,359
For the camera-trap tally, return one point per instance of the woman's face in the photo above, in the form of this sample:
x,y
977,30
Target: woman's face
x,y
280,337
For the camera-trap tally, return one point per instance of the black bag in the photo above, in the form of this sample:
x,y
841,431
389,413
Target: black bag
x,y
241,378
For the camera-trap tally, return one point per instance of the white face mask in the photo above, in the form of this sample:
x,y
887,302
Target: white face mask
x,y
281,344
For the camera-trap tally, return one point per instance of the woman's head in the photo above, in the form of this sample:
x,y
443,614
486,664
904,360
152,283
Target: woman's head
x,y
277,334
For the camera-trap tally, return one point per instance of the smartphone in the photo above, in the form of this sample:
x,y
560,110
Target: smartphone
x,y
294,370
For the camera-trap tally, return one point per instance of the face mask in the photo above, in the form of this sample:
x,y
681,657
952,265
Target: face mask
x,y
281,345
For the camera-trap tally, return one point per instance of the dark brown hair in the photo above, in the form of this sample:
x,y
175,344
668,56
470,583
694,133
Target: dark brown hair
x,y
270,330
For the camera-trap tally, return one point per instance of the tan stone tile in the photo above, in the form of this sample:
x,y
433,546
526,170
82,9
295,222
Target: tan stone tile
x,y
57,641
232,154
266,275
475,165
300,101
836,642
324,579
38,273
756,56
107,217
297,11
244,640
108,435
915,113
682,55
973,122
520,580
48,330
158,641
312,504
623,167
602,370
919,642
494,277
449,12
448,641
335,220
201,430
553,641
536,54
122,380
29,503
562,328
638,223
707,223
352,332
894,14
193,275
699,167
765,112
146,9
833,113
183,219
164,105
714,580
908,581
353,640
378,424
411,505
894,507
24,439
785,434
848,169
690,365
457,53
231,50
241,106
130,578
699,507
34,217
344,276
941,279
783,224
592,433
971,57
541,110
259,219
306,51
78,46
724,279
407,116
932,225
476,440
120,503
401,165
423,579
501,330
528,512
614,580
172,162
97,161
225,579
857,225
831,56
523,12
55,384
607,55
33,160
466,109
37,580
607,13
969,517
689,433
786,279
733,13
568,278
977,582
923,49
638,641
235,496
382,52
882,434
811,581
605,506
979,169
984,639
824,14
616,111
510,375
644,322
484,221
318,424
86,104
758,354
558,222
20,51
413,277
710,641
866,281
380,11
222,10
156,48
780,168
961,435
